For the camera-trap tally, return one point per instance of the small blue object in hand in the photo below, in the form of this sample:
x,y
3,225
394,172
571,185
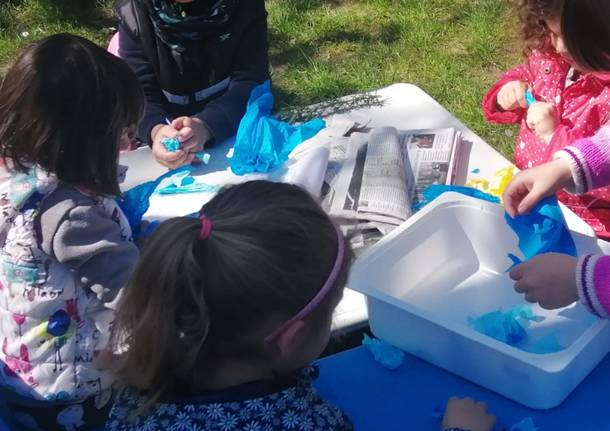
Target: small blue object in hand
x,y
171,144
529,97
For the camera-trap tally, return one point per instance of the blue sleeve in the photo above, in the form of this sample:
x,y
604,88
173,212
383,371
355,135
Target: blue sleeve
x,y
250,68
130,50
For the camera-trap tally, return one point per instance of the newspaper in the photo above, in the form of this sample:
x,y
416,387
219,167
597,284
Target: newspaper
x,y
374,179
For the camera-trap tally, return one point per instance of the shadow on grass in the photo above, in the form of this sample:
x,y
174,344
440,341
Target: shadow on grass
x,y
285,52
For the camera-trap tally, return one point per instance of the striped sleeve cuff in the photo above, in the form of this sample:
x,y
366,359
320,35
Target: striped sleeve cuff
x,y
593,282
581,176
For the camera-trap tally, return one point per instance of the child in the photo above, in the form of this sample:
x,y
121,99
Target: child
x,y
224,313
198,62
556,280
572,103
66,247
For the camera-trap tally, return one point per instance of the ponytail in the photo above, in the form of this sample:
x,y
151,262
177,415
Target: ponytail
x,y
161,342
262,252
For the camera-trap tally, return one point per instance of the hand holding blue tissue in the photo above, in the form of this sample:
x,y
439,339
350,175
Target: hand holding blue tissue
x,y
263,142
543,230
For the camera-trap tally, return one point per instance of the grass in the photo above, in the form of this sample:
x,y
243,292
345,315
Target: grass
x,y
323,49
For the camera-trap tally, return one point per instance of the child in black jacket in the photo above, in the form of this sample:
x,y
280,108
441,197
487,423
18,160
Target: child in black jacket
x,y
198,61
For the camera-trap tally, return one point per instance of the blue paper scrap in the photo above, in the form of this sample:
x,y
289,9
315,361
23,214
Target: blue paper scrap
x,y
171,144
264,142
526,424
529,97
135,202
511,327
515,260
435,190
476,171
181,182
387,355
543,230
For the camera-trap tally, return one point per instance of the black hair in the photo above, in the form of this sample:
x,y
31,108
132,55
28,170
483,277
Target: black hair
x,y
192,301
63,106
586,32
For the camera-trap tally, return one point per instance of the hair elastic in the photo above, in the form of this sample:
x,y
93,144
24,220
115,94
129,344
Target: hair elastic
x,y
315,302
206,228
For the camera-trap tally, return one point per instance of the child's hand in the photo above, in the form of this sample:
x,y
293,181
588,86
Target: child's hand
x,y
195,134
170,160
466,414
548,279
512,96
542,120
532,185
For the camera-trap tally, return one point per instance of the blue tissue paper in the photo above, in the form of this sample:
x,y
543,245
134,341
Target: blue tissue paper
x,y
543,230
263,142
509,327
387,355
526,424
181,182
435,190
135,202
171,144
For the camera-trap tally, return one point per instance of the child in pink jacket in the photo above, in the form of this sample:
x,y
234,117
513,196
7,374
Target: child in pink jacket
x,y
570,104
556,280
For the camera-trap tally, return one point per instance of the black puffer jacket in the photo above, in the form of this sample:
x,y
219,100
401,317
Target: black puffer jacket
x,y
211,79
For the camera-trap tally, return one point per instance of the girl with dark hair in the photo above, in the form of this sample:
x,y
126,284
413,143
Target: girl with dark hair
x,y
67,108
198,61
572,99
224,313
555,280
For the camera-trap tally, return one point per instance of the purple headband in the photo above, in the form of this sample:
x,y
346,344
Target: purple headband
x,y
315,302
206,228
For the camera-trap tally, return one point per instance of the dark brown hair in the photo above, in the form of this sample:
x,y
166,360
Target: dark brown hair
x,y
63,106
585,25
191,302
532,14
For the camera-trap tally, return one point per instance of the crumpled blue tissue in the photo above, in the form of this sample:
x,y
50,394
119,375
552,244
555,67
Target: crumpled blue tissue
x,y
509,327
387,355
543,230
181,182
526,424
433,191
135,202
264,142
171,144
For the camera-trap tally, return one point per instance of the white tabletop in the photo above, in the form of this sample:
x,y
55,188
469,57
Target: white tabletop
x,y
405,107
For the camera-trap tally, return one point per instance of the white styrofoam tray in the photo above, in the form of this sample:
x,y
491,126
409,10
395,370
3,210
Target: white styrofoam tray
x,y
448,262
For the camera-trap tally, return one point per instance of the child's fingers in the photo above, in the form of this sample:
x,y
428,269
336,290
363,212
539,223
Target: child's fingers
x,y
530,201
517,272
178,123
175,156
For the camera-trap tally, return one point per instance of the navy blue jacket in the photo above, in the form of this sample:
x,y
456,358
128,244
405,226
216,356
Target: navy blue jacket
x,y
212,80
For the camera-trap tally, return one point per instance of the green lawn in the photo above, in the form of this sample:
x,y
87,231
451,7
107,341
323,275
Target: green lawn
x,y
453,49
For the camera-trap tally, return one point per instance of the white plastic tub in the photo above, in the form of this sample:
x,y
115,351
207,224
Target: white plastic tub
x,y
447,263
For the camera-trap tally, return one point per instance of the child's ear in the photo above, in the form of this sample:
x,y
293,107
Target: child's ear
x,y
287,339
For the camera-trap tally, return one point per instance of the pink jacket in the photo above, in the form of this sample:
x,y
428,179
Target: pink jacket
x,y
582,107
590,164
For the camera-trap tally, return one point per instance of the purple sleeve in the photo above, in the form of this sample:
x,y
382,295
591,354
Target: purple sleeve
x,y
593,283
589,161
